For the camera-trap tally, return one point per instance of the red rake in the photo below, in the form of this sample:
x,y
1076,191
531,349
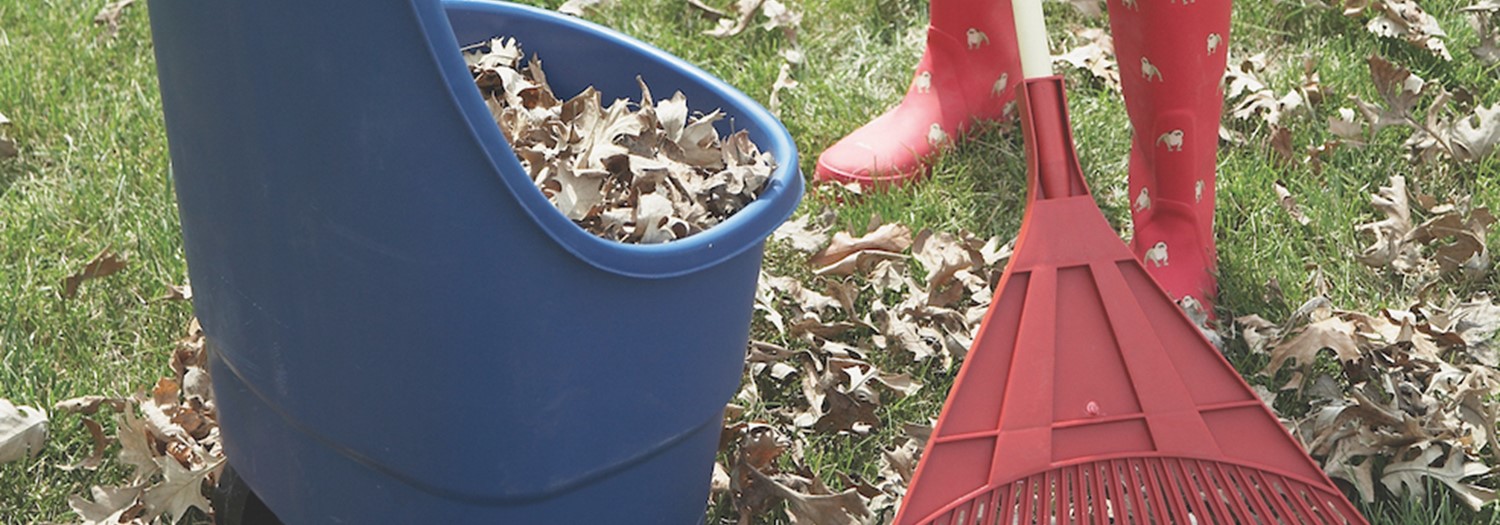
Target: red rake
x,y
1088,396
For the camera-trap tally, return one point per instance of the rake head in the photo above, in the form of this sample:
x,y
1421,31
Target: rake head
x,y
1088,397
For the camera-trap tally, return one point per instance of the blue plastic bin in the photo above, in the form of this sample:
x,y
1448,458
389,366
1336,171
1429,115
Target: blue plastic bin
x,y
402,328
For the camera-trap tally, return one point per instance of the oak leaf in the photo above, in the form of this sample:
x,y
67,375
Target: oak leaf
x,y
179,490
23,430
7,144
111,505
1302,348
104,264
1406,477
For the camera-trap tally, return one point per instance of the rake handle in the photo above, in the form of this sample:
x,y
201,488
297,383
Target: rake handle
x,y
1044,109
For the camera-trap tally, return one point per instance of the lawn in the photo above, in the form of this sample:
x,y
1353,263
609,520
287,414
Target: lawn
x,y
92,175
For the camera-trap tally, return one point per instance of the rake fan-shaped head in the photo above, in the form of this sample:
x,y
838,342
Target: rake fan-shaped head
x,y
1088,397
1154,490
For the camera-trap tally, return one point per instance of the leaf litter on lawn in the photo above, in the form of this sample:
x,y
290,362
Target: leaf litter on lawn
x,y
1412,393
874,310
168,435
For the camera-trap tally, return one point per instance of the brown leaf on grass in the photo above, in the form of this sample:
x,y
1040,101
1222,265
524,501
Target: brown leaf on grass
x,y
1467,233
23,430
135,448
1475,137
1312,82
1257,332
1406,477
177,293
887,238
1289,203
1399,89
1096,56
756,446
1475,322
801,235
818,509
858,262
784,81
1433,136
577,7
88,405
1333,333
1389,246
111,505
1243,76
734,24
104,264
1344,125
778,16
1406,20
181,488
1484,18
942,255
1280,142
7,144
109,16
100,443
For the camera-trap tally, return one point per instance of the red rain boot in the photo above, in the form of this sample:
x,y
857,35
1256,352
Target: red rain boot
x,y
968,73
1172,55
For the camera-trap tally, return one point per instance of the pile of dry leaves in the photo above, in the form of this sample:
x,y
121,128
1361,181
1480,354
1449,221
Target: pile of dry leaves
x,y
1410,394
168,436
1413,395
887,297
646,172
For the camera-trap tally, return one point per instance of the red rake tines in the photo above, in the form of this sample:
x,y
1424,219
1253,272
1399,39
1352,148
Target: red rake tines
x,y
1090,398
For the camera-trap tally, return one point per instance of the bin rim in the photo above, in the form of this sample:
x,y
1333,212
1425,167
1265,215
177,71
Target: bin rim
x,y
742,231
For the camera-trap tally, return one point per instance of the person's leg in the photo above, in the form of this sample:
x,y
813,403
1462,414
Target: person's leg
x,y
968,72
1172,55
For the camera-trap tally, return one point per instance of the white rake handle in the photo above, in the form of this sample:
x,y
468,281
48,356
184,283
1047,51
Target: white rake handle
x,y
1031,38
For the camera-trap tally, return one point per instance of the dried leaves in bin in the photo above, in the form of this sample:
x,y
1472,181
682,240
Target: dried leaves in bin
x,y
639,172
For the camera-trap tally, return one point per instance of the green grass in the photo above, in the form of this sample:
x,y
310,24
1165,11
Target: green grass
x,y
92,175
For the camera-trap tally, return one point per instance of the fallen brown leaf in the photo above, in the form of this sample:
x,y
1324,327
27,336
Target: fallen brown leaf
x,y
888,238
577,7
180,489
736,23
111,505
819,509
100,443
1399,89
1406,477
23,430
1389,247
1289,203
1406,20
7,145
1095,56
104,264
109,16
801,235
1333,333
88,405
